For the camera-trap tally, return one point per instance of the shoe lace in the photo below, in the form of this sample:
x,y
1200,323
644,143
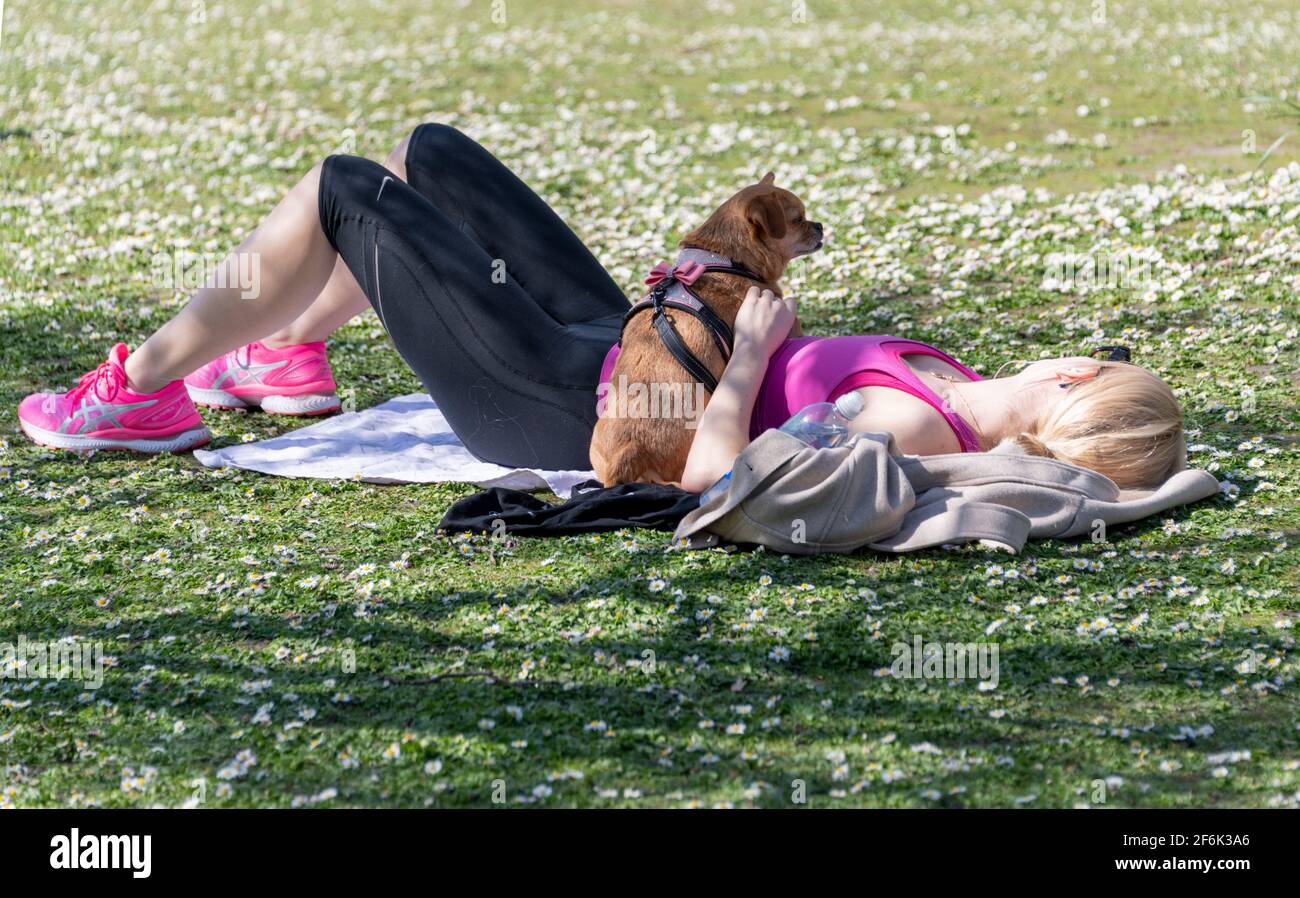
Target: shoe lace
x,y
105,380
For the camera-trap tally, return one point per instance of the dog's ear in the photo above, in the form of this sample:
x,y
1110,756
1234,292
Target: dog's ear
x,y
764,212
769,180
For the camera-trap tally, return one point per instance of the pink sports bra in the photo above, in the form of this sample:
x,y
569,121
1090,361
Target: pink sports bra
x,y
821,369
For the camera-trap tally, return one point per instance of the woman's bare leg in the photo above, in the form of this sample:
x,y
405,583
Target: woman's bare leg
x,y
341,300
338,302
293,261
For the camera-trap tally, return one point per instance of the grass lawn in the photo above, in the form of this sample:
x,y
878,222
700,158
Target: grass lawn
x,y
278,642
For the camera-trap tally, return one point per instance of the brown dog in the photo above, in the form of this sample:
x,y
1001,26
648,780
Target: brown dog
x,y
762,228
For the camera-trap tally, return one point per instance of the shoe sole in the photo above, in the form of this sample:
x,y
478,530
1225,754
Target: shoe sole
x,y
306,404
181,442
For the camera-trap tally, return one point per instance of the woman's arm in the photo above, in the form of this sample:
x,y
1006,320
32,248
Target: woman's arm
x,y
763,323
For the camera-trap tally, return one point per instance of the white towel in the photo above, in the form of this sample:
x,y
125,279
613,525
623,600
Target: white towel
x,y
404,440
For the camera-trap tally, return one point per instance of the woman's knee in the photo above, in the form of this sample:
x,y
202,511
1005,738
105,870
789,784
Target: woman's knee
x,y
337,186
344,176
433,144
431,140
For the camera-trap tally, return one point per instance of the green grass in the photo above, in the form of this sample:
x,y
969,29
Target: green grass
x,y
251,614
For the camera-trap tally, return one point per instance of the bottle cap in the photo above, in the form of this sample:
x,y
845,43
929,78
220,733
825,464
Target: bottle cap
x,y
850,405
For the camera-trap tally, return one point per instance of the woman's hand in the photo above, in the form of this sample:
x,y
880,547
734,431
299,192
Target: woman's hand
x,y
764,320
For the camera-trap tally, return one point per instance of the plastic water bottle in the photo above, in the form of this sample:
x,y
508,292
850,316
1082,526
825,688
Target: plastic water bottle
x,y
822,425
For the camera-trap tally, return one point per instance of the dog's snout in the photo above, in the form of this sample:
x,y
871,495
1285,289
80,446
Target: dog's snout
x,y
817,226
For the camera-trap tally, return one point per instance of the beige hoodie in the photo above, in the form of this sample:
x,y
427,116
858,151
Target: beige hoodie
x,y
790,497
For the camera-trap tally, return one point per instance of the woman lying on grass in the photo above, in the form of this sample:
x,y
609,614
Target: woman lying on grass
x,y
512,353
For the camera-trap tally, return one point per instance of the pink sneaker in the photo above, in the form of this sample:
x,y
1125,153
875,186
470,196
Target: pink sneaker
x,y
102,412
295,380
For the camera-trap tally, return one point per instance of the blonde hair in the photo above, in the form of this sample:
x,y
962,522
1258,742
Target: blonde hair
x,y
1124,423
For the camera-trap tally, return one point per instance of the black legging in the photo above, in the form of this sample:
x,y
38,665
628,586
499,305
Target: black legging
x,y
496,305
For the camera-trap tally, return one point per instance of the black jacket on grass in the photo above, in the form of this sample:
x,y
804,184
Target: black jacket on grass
x,y
650,506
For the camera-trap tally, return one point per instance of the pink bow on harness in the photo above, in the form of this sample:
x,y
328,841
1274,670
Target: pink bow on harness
x,y
687,273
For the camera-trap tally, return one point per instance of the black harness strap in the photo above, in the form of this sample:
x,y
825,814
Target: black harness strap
x,y
721,332
682,353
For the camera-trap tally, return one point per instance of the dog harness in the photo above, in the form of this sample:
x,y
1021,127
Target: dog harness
x,y
671,288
